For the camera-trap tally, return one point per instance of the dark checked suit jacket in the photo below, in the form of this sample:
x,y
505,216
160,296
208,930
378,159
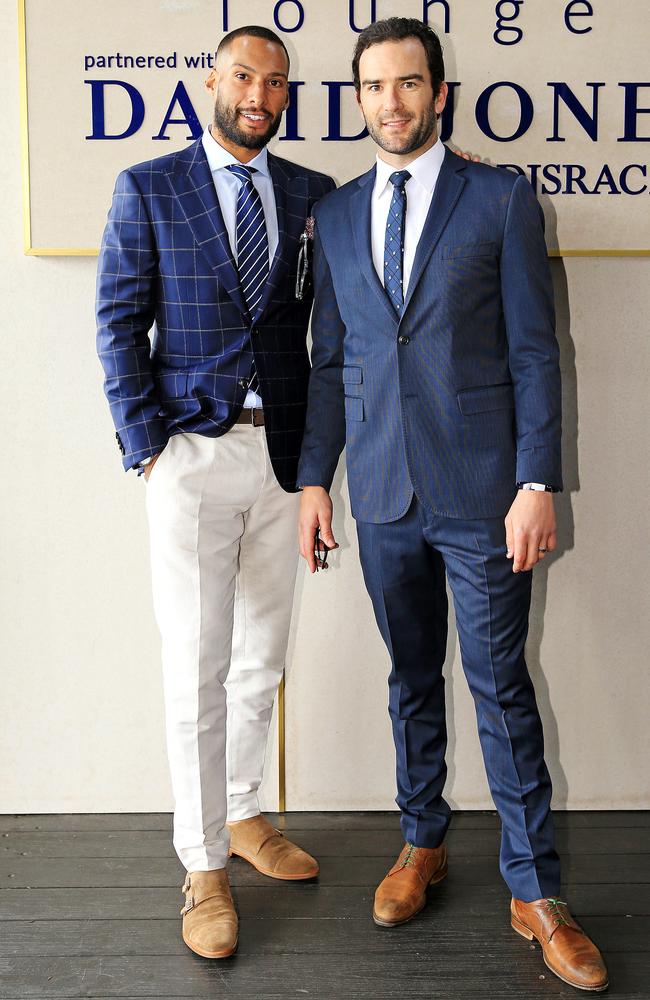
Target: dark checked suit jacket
x,y
165,261
459,399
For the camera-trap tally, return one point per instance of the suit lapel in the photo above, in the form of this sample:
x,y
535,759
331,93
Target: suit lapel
x,y
282,258
191,181
360,210
447,192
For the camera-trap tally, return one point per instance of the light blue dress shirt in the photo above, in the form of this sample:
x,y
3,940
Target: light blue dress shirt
x,y
227,188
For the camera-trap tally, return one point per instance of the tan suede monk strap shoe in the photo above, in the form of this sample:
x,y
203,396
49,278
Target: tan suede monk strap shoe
x,y
269,851
567,950
209,918
403,892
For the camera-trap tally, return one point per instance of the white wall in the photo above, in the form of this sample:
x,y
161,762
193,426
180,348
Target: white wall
x,y
81,725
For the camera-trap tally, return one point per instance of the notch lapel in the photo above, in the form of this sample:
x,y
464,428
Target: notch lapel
x,y
281,260
448,189
360,210
191,181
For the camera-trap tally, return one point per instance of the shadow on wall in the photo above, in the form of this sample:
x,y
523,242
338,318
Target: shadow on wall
x,y
564,510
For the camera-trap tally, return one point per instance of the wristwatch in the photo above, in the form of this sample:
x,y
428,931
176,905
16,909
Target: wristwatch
x,y
539,487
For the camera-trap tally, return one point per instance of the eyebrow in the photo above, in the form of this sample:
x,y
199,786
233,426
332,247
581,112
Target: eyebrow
x,y
400,79
251,69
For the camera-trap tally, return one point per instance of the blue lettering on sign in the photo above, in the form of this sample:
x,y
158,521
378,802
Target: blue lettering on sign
x,y
182,98
373,15
642,167
526,112
291,132
445,5
276,16
334,89
561,91
570,12
570,178
503,24
97,89
632,111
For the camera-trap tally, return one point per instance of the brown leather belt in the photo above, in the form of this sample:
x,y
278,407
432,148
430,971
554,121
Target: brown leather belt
x,y
254,417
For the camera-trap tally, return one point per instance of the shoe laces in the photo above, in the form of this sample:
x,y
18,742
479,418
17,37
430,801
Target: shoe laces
x,y
409,860
553,906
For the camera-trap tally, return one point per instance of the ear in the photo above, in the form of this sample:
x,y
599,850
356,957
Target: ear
x,y
211,82
357,94
441,99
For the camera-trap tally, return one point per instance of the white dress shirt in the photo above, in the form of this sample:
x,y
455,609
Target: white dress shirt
x,y
227,188
419,189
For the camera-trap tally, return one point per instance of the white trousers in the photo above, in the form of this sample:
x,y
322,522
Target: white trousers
x,y
224,555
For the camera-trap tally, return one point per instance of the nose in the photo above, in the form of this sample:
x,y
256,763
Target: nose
x,y
256,93
392,100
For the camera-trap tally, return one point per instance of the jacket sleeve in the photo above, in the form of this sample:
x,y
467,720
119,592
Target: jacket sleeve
x,y
533,352
324,437
125,309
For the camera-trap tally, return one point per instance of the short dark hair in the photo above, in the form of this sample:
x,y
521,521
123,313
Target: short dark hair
x,y
396,29
253,31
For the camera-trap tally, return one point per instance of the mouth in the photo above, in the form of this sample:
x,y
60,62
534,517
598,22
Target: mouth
x,y
395,124
254,118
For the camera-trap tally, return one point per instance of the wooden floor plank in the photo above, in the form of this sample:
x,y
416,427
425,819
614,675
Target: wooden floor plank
x,y
306,900
37,873
321,843
465,819
364,976
296,935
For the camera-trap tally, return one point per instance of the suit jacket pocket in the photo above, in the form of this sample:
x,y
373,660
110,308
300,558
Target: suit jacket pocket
x,y
470,250
483,398
353,408
352,374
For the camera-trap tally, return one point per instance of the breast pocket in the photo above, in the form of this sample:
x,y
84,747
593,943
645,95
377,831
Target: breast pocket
x,y
469,250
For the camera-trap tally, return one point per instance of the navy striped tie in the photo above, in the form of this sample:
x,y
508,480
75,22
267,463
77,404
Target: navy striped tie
x,y
394,242
252,246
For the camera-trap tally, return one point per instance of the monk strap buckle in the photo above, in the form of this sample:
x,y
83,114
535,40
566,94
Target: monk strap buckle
x,y
189,905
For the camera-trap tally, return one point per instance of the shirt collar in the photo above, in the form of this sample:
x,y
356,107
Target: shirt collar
x,y
424,169
218,157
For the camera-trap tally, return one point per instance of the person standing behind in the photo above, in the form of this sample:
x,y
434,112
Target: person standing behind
x,y
204,244
435,362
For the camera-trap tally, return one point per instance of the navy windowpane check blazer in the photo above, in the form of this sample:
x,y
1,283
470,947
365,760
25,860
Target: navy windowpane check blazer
x,y
165,262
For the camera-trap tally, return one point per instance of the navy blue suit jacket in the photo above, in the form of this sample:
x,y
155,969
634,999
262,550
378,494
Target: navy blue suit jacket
x,y
459,399
166,261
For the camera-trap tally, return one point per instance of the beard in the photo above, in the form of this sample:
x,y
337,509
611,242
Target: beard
x,y
226,121
421,130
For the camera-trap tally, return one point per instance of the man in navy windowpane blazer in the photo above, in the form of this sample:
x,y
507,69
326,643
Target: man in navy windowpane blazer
x,y
204,245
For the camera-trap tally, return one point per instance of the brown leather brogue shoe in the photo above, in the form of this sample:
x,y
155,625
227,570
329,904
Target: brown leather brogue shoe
x,y
403,892
567,950
209,919
269,851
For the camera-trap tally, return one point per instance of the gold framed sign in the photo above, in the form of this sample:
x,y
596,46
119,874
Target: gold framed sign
x,y
559,91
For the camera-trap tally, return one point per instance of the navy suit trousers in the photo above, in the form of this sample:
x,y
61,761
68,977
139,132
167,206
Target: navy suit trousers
x,y
404,564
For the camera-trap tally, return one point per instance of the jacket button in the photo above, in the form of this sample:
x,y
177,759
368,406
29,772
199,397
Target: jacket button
x,y
403,340
243,383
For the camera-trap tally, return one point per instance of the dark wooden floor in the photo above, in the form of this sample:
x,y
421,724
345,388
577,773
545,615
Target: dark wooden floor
x,y
89,908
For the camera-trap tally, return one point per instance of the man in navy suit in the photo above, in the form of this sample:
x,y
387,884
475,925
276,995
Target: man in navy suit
x,y
205,244
435,363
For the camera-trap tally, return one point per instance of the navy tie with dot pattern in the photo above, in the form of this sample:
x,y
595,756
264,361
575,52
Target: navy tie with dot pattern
x,y
394,243
252,246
